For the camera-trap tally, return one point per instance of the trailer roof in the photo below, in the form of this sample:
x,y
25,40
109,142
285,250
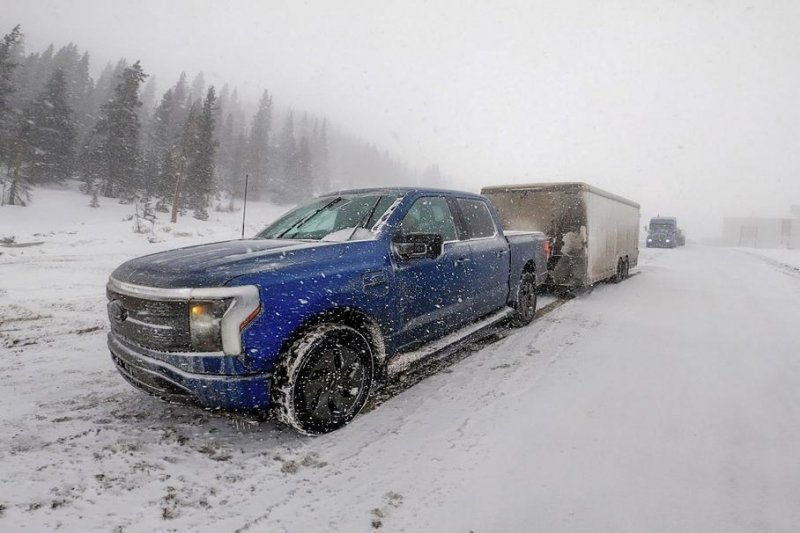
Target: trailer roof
x,y
402,190
562,186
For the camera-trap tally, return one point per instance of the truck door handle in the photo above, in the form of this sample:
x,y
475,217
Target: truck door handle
x,y
501,253
462,260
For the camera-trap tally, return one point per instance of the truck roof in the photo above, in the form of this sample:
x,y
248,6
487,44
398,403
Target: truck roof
x,y
404,190
672,220
560,186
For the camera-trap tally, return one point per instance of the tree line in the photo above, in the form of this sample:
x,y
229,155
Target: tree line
x,y
186,151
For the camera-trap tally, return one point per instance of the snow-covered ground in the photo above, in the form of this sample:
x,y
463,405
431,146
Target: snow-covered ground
x,y
787,259
666,403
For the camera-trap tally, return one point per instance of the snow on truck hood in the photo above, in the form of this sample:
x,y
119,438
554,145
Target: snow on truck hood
x,y
213,265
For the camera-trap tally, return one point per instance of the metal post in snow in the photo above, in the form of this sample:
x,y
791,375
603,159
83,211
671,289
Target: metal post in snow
x,y
244,209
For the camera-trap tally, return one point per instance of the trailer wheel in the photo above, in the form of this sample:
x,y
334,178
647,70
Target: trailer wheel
x,y
620,275
324,380
525,303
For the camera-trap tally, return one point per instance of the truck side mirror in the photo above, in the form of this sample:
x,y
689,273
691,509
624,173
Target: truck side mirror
x,y
417,245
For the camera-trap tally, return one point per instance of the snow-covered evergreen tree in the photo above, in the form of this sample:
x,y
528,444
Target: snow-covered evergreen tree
x,y
188,141
115,151
304,182
287,150
8,63
198,87
200,168
319,155
52,133
258,149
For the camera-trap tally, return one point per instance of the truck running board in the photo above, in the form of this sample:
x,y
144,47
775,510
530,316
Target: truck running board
x,y
406,360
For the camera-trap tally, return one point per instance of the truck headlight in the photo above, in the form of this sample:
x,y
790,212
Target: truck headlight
x,y
218,316
649,240
667,240
205,318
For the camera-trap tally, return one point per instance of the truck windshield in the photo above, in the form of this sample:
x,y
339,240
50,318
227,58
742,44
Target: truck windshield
x,y
661,227
338,218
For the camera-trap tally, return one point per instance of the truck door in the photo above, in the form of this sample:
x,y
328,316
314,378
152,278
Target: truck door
x,y
490,255
433,292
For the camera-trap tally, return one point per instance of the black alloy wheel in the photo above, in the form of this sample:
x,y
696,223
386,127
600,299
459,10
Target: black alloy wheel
x,y
525,304
325,380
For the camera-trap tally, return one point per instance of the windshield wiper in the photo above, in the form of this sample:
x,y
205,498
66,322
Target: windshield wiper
x,y
303,220
365,218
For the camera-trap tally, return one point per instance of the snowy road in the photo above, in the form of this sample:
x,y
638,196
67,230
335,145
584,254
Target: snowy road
x,y
667,403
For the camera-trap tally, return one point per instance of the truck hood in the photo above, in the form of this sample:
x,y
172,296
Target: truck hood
x,y
213,265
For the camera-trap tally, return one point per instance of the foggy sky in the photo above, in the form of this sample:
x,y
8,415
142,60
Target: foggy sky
x,y
690,108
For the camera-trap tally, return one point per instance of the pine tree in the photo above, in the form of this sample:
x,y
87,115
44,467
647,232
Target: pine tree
x,y
7,67
180,109
148,99
52,133
288,161
320,158
224,162
160,151
84,98
21,155
103,91
304,184
238,163
116,152
44,68
187,148
258,148
200,169
148,96
198,87
167,176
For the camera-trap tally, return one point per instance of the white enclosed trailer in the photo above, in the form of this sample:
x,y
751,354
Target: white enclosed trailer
x,y
594,234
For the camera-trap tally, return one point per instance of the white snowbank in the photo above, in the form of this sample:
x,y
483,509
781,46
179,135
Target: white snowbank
x,y
788,258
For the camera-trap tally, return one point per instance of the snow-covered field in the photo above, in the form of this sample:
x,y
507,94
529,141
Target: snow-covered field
x,y
787,259
666,403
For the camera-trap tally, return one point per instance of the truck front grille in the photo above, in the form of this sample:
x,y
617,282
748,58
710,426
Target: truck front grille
x,y
154,324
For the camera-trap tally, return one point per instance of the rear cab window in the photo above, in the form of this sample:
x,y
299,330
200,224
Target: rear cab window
x,y
476,219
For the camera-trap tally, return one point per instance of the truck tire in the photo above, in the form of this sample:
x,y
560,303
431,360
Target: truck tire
x,y
525,303
627,272
324,380
620,275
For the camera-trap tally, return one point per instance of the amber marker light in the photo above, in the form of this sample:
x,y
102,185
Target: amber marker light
x,y
200,309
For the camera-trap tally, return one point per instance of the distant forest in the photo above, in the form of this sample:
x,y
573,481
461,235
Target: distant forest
x,y
187,150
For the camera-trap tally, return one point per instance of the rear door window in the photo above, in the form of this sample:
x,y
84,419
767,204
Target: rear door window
x,y
476,218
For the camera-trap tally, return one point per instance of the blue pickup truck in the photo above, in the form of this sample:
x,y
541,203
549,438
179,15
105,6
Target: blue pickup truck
x,y
332,298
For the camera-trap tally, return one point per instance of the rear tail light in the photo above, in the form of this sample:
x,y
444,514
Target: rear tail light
x,y
547,248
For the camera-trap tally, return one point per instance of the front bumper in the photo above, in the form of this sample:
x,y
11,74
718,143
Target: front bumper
x,y
143,369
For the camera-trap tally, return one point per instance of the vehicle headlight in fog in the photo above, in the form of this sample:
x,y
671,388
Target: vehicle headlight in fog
x,y
205,317
649,240
667,240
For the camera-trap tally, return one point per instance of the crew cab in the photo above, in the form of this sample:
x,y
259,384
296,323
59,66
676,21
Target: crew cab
x,y
333,297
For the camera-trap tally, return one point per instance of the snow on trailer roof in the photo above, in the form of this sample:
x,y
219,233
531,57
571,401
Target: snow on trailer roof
x,y
398,190
561,186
